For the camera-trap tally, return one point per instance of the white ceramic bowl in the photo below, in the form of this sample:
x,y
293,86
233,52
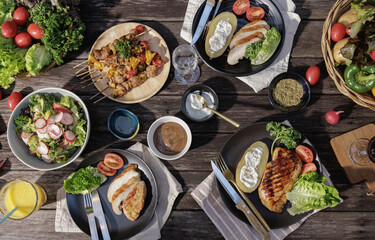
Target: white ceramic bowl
x,y
155,125
19,148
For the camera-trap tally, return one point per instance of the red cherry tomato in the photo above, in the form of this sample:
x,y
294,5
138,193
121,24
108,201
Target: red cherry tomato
x,y
35,31
254,13
308,167
20,16
60,108
157,61
144,45
372,54
103,169
113,161
338,32
312,75
9,29
140,29
13,100
305,153
241,6
22,40
142,58
131,73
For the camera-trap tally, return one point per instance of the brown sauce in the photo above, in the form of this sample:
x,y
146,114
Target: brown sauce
x,y
170,138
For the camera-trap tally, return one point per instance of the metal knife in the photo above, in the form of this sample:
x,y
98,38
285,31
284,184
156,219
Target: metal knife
x,y
202,22
217,8
99,214
240,203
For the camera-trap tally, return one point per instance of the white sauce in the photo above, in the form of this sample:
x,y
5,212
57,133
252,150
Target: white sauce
x,y
222,31
194,107
249,174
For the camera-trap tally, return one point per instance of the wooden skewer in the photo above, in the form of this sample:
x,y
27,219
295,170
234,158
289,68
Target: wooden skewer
x,y
93,82
99,93
105,96
89,71
80,64
88,74
82,68
98,75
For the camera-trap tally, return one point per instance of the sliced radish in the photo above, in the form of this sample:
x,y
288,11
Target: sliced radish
x,y
42,148
54,131
40,123
55,118
64,144
43,130
67,119
60,108
26,136
46,158
70,136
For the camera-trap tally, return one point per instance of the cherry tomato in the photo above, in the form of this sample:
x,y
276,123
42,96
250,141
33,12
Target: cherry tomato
x,y
144,45
372,54
157,61
13,100
103,169
312,75
241,6
9,29
35,31
142,58
140,29
20,16
60,108
338,32
305,153
22,40
254,13
308,167
113,161
131,73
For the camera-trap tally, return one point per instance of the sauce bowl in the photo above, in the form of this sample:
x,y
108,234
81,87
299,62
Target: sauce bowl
x,y
123,124
155,125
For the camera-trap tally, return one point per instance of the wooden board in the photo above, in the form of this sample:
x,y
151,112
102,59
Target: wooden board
x,y
353,171
152,85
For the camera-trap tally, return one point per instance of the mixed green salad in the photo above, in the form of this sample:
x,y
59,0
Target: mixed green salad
x,y
52,127
84,181
60,28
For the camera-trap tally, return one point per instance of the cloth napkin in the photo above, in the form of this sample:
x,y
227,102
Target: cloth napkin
x,y
208,198
168,188
262,79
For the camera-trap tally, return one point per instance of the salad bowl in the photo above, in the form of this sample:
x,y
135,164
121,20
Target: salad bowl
x,y
21,150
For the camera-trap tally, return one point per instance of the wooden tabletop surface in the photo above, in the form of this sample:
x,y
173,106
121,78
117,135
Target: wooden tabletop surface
x,y
353,219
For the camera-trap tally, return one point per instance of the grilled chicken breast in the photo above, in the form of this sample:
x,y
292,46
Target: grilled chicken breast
x,y
278,179
134,202
250,33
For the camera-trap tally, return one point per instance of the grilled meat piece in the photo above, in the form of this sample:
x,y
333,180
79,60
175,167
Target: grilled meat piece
x,y
103,53
119,78
134,81
278,179
151,71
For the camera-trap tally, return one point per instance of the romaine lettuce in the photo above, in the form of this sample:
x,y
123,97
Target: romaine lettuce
x,y
269,46
309,192
37,57
84,181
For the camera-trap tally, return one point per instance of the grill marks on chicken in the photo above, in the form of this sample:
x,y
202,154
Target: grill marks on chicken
x,y
278,179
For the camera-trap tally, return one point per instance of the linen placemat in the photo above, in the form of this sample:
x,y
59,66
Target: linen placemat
x,y
262,79
208,198
168,188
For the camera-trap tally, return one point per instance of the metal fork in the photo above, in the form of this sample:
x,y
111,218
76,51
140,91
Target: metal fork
x,y
219,161
90,216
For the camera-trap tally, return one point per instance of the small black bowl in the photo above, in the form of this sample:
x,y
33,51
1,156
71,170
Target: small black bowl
x,y
302,82
201,88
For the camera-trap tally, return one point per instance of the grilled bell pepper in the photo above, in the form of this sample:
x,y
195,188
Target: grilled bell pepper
x,y
360,80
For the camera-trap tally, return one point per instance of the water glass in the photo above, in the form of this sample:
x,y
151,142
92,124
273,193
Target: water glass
x,y
185,61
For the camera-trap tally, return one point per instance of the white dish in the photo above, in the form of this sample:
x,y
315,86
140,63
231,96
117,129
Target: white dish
x,y
155,125
21,151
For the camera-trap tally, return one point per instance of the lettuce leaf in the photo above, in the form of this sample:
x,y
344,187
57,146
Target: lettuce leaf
x,y
269,46
11,63
84,181
253,49
6,9
37,57
309,192
80,132
67,102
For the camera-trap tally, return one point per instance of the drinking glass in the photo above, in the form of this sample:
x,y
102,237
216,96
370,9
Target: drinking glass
x,y
362,151
185,61
26,195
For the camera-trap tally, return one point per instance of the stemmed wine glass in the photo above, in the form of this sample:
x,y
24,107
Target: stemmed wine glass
x,y
362,151
185,61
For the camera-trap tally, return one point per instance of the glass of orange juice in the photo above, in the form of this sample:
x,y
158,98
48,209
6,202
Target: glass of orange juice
x,y
26,195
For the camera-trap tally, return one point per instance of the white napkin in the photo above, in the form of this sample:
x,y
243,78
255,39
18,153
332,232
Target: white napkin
x,y
166,198
262,79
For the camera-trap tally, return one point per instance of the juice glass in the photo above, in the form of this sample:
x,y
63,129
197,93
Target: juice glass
x,y
26,195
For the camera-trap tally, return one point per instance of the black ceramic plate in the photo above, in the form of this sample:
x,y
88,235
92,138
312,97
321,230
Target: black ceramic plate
x,y
232,152
272,16
120,227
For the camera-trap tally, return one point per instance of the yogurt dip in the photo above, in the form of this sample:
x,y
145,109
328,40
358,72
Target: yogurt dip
x,y
222,31
195,109
249,174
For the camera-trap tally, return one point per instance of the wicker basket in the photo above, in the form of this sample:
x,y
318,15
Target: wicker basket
x,y
363,99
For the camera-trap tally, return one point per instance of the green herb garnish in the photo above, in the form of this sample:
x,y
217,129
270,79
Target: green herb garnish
x,y
285,135
124,48
84,181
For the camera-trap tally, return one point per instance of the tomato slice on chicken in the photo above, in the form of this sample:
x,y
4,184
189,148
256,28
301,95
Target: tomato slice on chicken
x,y
305,153
113,161
103,169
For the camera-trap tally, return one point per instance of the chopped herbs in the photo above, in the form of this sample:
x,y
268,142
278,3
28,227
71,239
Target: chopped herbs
x,y
124,48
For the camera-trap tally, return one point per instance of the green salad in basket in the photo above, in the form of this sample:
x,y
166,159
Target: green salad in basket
x,y
52,127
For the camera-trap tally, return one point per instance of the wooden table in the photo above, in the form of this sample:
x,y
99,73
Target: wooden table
x,y
354,218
